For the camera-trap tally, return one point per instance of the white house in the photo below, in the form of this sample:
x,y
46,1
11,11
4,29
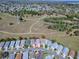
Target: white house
x,y
17,45
12,44
65,52
59,49
1,44
6,46
22,43
25,54
54,46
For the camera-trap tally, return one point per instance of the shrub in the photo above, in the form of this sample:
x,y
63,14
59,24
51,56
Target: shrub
x,y
11,23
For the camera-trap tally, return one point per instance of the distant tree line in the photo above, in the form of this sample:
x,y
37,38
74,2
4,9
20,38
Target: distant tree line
x,y
24,11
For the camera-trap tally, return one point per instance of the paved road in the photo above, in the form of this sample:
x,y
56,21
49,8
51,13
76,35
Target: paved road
x,y
5,32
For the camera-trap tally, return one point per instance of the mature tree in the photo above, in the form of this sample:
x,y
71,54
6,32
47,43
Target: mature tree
x,y
0,18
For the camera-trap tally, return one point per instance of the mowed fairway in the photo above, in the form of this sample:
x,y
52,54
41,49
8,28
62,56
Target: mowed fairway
x,y
34,26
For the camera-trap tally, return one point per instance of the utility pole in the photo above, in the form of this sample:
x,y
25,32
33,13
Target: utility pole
x,y
17,18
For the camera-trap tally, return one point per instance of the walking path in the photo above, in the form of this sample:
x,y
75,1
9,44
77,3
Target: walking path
x,y
36,23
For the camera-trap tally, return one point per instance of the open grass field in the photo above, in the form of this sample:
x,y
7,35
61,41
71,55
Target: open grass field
x,y
34,26
15,28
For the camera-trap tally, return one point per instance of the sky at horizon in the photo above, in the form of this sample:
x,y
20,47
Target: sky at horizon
x,y
60,0
41,0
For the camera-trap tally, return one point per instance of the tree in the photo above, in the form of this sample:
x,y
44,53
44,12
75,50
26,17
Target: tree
x,y
76,33
0,18
20,38
13,39
43,36
21,19
2,40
